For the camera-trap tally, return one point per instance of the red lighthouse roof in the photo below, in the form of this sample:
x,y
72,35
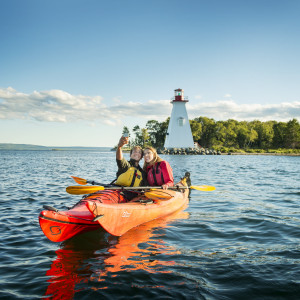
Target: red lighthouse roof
x,y
179,96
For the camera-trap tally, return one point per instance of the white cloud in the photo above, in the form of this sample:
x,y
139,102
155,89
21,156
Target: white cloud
x,y
50,106
228,109
60,106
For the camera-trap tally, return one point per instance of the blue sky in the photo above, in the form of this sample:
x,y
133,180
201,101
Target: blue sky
x,y
73,73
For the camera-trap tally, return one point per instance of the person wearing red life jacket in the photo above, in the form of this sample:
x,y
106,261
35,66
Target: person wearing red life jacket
x,y
159,172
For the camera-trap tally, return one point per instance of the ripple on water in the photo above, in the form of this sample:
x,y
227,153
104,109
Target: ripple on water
x,y
239,242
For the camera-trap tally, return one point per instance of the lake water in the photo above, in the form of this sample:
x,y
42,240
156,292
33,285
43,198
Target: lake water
x,y
238,242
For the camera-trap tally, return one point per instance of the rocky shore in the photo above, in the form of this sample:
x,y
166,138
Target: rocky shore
x,y
187,151
206,151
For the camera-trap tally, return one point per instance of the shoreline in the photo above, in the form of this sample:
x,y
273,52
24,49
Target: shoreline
x,y
234,153
276,154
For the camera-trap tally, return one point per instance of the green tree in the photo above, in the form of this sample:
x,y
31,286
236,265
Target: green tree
x,y
220,133
208,135
142,137
138,140
279,139
265,134
146,138
246,135
153,128
293,134
243,133
157,132
252,137
196,129
162,134
231,133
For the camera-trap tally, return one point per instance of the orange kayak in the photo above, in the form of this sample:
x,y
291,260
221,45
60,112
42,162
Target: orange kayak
x,y
118,218
109,211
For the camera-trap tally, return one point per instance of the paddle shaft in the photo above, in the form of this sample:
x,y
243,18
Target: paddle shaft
x,y
177,187
83,181
82,190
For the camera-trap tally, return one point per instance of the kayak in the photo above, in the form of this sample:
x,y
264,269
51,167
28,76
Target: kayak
x,y
107,210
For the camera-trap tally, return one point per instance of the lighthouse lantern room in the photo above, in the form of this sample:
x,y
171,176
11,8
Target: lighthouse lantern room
x,y
179,134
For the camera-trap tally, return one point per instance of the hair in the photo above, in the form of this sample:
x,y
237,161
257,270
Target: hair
x,y
137,148
154,160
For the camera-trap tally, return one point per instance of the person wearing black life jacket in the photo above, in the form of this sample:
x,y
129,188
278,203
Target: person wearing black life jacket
x,y
159,172
129,172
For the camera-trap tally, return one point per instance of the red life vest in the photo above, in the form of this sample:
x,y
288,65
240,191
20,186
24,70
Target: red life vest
x,y
159,174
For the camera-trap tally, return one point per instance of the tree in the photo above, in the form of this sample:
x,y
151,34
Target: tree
x,y
243,133
231,133
253,136
146,138
196,129
142,137
157,132
265,134
220,133
153,129
293,134
163,132
279,139
208,131
138,140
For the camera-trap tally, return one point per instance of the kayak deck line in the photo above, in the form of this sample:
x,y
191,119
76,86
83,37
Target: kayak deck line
x,y
67,222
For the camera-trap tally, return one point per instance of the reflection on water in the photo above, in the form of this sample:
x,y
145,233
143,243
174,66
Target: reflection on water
x,y
97,257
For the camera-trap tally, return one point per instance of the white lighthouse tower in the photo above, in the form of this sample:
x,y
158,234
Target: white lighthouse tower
x,y
179,134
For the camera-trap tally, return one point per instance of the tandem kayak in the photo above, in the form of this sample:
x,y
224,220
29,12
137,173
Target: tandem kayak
x,y
107,210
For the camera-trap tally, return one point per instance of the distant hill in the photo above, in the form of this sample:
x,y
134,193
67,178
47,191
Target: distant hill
x,y
7,146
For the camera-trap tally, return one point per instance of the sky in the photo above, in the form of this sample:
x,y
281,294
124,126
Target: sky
x,y
74,73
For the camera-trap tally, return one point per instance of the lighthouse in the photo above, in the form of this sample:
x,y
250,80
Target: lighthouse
x,y
179,134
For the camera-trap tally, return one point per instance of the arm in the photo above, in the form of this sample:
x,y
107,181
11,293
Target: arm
x,y
123,166
123,141
168,175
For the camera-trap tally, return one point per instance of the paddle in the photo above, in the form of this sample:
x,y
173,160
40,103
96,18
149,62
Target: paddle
x,y
84,181
82,190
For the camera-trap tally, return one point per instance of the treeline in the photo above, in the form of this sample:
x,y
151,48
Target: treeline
x,y
209,133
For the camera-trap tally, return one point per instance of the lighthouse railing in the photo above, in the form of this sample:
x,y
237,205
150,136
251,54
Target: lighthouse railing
x,y
184,99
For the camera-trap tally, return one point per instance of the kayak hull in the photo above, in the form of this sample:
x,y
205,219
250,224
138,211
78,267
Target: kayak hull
x,y
63,225
114,215
134,213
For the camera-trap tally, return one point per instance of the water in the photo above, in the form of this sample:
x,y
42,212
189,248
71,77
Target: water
x,y
238,242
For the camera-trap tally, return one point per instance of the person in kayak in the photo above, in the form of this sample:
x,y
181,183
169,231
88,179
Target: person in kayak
x,y
159,172
129,172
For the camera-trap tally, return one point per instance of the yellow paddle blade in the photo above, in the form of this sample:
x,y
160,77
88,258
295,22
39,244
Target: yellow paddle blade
x,y
158,195
82,190
204,188
79,180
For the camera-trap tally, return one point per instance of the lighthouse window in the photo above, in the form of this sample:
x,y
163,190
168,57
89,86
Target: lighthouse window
x,y
181,121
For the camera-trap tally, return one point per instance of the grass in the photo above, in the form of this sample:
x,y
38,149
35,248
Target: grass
x,y
223,149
